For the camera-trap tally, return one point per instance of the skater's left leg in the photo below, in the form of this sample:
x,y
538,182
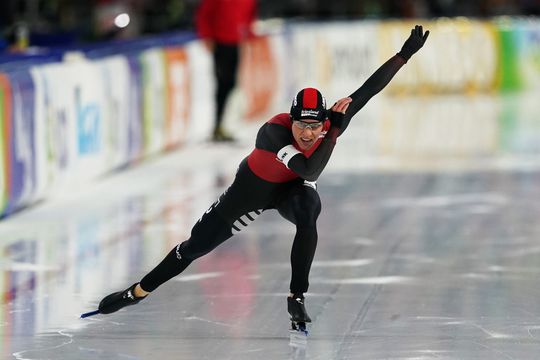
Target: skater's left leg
x,y
302,207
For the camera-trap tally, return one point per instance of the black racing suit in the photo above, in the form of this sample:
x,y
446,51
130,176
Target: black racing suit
x,y
276,175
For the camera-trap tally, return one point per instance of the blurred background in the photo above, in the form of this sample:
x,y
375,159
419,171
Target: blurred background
x,y
53,22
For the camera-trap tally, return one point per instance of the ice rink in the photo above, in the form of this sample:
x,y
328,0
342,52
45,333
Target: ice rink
x,y
428,249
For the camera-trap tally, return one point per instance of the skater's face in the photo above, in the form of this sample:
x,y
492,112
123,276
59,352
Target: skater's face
x,y
306,132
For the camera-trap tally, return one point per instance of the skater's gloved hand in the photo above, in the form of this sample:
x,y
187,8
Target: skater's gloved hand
x,y
415,41
337,112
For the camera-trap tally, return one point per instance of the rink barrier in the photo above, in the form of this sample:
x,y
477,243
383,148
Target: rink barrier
x,y
74,114
65,123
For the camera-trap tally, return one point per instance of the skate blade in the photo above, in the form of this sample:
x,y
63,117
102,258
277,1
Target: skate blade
x,y
90,313
299,327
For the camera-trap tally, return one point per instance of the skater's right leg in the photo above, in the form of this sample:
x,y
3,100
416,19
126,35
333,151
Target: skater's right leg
x,y
210,231
214,227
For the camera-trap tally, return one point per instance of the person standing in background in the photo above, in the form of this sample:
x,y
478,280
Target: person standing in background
x,y
223,25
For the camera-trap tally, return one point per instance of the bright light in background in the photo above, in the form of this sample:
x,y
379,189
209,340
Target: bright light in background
x,y
122,20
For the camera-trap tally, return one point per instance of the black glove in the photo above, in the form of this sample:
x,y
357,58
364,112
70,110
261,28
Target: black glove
x,y
336,118
414,42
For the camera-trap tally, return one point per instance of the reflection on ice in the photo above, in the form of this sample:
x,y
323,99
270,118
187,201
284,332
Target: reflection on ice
x,y
366,281
298,343
58,262
196,277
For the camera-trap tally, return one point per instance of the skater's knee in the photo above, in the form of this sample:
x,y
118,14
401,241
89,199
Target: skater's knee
x,y
206,235
306,210
307,231
189,250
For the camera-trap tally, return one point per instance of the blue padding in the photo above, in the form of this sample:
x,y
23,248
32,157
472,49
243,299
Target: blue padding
x,y
137,45
15,61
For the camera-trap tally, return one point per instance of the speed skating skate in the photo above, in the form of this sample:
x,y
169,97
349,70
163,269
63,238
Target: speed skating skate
x,y
115,301
299,316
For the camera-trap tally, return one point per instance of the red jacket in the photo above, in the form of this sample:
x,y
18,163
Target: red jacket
x,y
225,21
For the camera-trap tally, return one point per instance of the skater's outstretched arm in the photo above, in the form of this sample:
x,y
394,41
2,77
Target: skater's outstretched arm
x,y
380,78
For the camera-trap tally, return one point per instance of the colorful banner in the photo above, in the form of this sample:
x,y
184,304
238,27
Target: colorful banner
x,y
179,99
460,56
509,77
86,87
40,135
155,100
116,86
350,62
258,76
135,133
309,58
5,129
527,37
21,140
201,87
55,108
